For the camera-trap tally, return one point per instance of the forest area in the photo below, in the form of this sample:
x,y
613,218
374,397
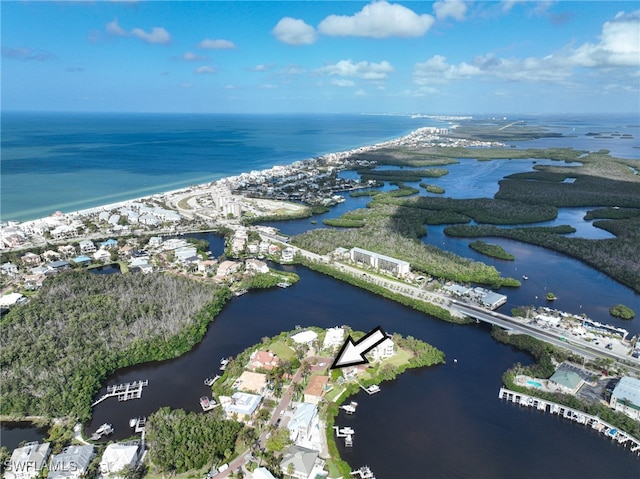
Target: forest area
x,y
58,349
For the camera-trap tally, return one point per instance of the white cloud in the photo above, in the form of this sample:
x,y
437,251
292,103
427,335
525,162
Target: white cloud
x,y
218,44
192,57
229,87
261,68
204,69
364,70
294,32
360,93
157,35
450,8
619,44
268,86
342,83
378,20
114,28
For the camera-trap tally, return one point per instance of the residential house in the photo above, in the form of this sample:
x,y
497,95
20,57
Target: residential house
x,y
72,463
102,255
242,405
31,259
301,462
316,389
87,246
227,268
9,269
333,338
382,351
256,265
27,461
288,254
262,473
116,457
263,360
300,425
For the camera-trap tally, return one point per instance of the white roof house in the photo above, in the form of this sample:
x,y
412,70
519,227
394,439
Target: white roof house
x,y
300,424
116,457
27,461
262,473
305,337
10,299
334,337
71,463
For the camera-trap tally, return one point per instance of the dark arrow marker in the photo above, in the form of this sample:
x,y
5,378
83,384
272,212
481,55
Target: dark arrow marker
x,y
352,354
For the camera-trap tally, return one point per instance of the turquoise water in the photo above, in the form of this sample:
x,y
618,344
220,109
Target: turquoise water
x,y
535,384
70,162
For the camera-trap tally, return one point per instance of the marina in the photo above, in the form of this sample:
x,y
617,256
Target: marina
x,y
124,392
223,363
572,414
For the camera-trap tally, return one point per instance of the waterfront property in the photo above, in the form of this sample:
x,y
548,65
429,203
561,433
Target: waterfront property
x,y
241,404
572,414
381,262
626,397
116,457
72,463
27,461
301,462
316,389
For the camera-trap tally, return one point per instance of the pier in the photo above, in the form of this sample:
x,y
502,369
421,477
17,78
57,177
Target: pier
x,y
364,472
350,408
572,414
138,424
370,390
124,392
345,432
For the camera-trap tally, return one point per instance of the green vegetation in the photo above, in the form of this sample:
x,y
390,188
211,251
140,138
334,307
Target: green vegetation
x,y
297,214
550,296
438,190
493,250
612,213
56,353
180,441
621,311
343,223
269,280
392,226
401,175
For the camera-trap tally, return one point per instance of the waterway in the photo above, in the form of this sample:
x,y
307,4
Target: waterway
x,y
445,421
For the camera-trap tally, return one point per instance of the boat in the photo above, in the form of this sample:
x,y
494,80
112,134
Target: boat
x,y
374,388
211,379
283,284
133,421
103,430
206,404
240,292
525,277
223,363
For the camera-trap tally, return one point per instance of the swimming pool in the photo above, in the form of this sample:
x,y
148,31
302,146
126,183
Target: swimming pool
x,y
535,384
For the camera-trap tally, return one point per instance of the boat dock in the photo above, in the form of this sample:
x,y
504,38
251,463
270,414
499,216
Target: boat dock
x,y
364,472
138,424
574,415
370,390
211,379
124,392
207,404
347,433
103,430
350,408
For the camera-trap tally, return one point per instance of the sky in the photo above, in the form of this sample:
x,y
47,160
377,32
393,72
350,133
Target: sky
x,y
444,57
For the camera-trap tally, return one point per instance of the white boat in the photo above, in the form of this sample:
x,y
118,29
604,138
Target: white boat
x,y
374,388
132,422
240,292
224,362
211,379
283,284
525,277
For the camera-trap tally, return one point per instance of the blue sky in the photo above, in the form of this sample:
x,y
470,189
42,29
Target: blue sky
x,y
445,57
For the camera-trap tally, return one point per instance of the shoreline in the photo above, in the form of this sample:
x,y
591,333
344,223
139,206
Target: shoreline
x,y
335,158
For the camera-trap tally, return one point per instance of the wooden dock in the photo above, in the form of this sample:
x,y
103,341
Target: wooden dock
x,y
124,392
575,415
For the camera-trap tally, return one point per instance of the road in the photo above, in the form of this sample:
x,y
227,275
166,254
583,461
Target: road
x,y
459,308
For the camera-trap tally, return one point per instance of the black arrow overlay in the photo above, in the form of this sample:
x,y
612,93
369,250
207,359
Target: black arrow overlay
x,y
352,354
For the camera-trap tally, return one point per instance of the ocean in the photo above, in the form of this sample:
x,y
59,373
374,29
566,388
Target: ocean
x,y
69,162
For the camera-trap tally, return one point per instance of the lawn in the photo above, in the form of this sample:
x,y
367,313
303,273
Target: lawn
x,y
283,351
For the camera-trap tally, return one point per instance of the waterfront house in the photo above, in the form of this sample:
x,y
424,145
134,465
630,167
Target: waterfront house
x,y
333,338
626,397
316,389
227,268
263,360
27,461
242,405
305,337
102,255
382,351
116,457
256,265
67,251
250,381
72,463
82,260
302,462
380,261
